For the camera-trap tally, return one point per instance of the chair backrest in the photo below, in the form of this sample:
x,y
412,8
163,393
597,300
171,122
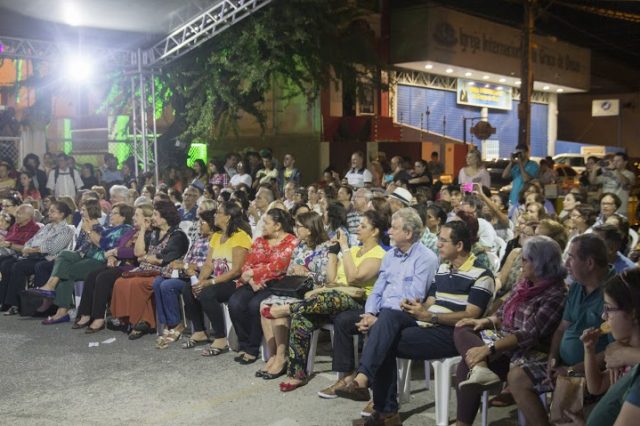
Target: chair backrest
x,y
72,244
184,226
502,247
633,235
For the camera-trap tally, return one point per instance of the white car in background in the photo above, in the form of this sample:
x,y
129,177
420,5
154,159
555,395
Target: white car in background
x,y
575,161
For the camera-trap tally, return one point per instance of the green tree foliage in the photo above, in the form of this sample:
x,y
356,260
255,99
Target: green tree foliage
x,y
292,43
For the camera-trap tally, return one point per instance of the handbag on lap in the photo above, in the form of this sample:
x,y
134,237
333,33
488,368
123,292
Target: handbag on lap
x,y
291,286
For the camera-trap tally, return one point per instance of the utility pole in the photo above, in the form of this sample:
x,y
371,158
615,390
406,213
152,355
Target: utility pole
x,y
526,85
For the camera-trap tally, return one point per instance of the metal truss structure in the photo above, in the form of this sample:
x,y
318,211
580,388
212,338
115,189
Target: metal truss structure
x,y
142,65
441,82
196,31
39,50
423,79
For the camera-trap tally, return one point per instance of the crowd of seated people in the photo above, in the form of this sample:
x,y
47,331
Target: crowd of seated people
x,y
424,270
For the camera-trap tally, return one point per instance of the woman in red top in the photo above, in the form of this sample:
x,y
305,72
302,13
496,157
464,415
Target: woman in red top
x,y
268,259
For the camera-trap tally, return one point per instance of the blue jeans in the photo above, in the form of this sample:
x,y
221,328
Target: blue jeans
x,y
167,292
396,335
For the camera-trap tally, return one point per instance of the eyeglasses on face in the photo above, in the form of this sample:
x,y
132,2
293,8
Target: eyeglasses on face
x,y
607,309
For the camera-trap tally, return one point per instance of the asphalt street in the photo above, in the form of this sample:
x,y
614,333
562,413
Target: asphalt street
x,y
51,375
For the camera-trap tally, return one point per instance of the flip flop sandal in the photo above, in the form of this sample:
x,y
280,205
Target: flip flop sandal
x,y
214,351
162,344
172,336
135,334
191,343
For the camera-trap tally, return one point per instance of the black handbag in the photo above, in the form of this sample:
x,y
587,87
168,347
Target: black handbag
x,y
291,286
29,304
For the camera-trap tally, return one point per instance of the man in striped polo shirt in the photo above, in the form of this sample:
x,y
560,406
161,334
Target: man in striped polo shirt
x,y
423,330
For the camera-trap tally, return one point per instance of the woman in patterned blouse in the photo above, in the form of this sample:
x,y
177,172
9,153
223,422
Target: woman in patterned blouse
x,y
89,255
268,259
309,259
167,287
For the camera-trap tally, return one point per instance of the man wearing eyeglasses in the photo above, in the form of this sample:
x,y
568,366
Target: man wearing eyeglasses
x,y
189,209
420,330
587,263
19,233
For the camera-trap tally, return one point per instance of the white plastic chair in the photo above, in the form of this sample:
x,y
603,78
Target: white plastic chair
x,y
443,370
633,236
314,347
502,247
264,352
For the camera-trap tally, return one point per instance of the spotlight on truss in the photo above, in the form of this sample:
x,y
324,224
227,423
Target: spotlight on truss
x,y
78,69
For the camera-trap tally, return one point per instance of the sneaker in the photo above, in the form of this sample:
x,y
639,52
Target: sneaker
x,y
367,410
330,392
354,392
481,376
379,419
11,311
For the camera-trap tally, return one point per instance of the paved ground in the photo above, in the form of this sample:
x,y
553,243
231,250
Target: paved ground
x,y
52,376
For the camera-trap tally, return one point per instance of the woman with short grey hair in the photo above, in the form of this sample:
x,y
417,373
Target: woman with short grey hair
x,y
530,315
411,222
545,256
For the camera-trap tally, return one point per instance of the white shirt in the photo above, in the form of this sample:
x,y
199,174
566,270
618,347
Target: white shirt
x,y
487,235
64,186
357,178
237,179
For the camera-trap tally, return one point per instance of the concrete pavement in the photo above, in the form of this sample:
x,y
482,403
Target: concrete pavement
x,y
51,376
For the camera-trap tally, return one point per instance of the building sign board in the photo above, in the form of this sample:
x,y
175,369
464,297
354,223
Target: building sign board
x,y
434,33
483,95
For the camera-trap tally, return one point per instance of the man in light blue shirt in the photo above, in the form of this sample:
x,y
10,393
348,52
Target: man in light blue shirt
x,y
520,170
110,172
406,273
407,270
421,330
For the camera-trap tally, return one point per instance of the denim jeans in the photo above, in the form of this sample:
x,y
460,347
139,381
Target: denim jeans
x,y
167,292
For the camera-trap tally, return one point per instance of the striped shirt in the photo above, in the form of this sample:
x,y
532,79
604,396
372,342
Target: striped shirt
x,y
455,289
52,239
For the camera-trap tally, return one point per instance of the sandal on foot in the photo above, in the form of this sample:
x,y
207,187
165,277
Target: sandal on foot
x,y
211,351
247,359
191,343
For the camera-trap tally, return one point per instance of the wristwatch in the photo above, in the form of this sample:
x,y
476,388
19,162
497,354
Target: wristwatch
x,y
434,319
492,348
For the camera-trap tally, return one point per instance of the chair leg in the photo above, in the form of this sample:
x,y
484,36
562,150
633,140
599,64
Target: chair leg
x,y
264,351
427,375
311,357
442,393
356,358
185,322
227,318
443,369
404,380
485,407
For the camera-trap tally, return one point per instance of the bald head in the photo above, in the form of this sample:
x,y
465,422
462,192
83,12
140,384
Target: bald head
x,y
24,214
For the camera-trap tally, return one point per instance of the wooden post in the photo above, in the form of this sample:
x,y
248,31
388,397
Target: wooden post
x,y
526,86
